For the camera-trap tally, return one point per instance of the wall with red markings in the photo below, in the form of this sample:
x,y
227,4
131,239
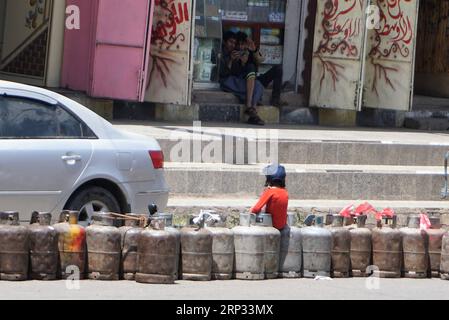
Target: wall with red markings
x,y
170,51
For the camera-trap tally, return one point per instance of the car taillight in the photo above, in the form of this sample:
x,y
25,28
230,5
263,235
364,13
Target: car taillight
x,y
158,159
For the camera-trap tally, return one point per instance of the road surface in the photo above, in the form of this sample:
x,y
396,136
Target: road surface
x,y
280,289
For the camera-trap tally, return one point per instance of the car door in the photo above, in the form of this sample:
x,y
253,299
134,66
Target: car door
x,y
43,151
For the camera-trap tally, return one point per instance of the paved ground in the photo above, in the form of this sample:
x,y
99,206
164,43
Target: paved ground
x,y
163,130
281,289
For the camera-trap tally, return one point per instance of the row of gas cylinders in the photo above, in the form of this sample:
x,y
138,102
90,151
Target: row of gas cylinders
x,y
156,252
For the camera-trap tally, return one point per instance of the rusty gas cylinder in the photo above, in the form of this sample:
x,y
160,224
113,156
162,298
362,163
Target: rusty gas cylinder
x,y
168,220
156,253
435,235
387,249
222,251
14,248
341,248
103,247
317,247
415,250
71,245
361,248
328,220
129,238
249,243
444,265
43,248
349,223
196,252
290,261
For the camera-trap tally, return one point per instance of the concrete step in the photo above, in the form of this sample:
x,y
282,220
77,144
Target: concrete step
x,y
310,182
434,120
230,208
213,96
219,106
235,150
295,144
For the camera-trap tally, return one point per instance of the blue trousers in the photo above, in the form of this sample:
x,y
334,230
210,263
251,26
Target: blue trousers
x,y
237,86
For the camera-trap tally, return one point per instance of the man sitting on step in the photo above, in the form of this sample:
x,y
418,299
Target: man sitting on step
x,y
274,75
238,75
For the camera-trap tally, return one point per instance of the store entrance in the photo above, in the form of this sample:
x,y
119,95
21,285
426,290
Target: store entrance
x,y
262,20
432,50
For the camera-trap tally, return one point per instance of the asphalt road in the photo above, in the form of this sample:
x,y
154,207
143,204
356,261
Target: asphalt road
x,y
281,289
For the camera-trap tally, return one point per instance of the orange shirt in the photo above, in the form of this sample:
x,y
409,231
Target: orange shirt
x,y
276,202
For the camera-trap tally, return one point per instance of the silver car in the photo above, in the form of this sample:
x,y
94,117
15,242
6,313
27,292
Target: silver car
x,y
56,154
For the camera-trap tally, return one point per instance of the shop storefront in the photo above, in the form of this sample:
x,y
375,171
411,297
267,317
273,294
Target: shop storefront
x,y
165,49
350,54
262,20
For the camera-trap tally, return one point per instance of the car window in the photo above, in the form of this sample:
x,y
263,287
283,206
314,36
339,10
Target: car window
x,y
69,126
26,118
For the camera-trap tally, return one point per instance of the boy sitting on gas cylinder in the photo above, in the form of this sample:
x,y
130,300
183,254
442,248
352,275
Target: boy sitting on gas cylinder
x,y
275,196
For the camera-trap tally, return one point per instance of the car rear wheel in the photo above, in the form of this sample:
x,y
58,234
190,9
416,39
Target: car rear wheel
x,y
91,200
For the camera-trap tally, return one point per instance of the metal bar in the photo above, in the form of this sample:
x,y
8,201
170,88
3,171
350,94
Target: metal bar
x,y
445,191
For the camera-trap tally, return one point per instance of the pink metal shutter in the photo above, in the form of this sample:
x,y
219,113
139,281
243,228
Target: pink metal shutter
x,y
120,59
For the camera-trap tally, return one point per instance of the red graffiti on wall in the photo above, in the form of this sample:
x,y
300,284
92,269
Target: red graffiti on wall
x,y
339,26
392,39
166,34
165,31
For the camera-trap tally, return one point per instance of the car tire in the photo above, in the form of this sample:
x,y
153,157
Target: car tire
x,y
93,194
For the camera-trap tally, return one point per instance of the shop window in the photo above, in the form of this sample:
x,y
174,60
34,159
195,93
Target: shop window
x,y
207,46
262,20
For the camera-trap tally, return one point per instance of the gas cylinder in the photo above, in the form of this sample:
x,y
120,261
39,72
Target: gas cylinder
x,y
168,220
249,243
290,262
222,251
156,251
361,248
14,247
415,249
349,223
129,237
341,248
196,253
328,219
317,247
435,235
43,248
387,249
272,246
71,245
444,266
103,247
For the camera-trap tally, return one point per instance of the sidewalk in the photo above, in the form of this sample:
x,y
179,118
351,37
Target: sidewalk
x,y
162,130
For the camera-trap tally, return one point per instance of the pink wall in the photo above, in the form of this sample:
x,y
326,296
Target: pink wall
x,y
108,56
77,48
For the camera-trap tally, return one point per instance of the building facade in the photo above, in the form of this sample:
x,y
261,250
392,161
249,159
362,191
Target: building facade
x,y
335,54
